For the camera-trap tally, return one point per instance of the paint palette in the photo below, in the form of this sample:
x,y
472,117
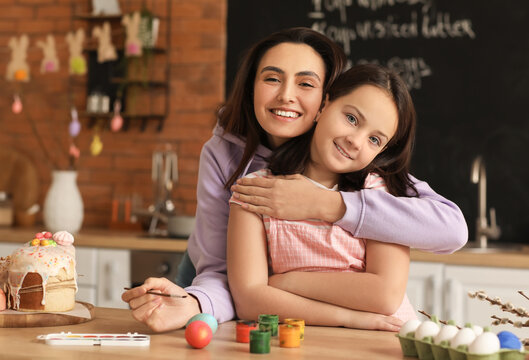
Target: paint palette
x,y
129,339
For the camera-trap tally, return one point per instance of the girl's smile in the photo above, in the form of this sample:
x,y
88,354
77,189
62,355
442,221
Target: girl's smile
x,y
342,151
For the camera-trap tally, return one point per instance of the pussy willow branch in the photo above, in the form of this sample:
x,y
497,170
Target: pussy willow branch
x,y
507,306
430,317
502,321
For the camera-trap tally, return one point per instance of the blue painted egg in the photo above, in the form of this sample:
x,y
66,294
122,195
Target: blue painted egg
x,y
509,341
207,318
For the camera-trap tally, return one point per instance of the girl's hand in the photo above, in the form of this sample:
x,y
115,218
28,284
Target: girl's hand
x,y
373,321
290,197
161,313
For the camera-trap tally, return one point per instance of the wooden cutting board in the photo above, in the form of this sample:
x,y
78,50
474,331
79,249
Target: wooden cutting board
x,y
28,319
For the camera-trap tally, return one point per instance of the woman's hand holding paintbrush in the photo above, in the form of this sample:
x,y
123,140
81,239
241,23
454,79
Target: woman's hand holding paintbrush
x,y
161,294
170,308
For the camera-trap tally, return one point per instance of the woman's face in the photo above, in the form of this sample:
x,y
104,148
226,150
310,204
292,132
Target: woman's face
x,y
353,129
288,90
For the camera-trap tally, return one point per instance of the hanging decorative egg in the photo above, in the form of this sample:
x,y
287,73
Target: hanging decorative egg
x,y
96,146
75,126
16,107
117,121
74,151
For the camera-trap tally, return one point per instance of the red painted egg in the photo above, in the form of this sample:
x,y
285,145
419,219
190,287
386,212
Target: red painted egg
x,y
198,334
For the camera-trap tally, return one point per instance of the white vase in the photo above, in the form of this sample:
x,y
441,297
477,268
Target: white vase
x,y
63,205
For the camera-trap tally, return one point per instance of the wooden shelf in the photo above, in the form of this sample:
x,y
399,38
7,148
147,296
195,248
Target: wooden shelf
x,y
155,50
128,118
144,83
92,17
111,79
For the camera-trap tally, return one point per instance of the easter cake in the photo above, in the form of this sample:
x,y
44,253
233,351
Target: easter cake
x,y
41,276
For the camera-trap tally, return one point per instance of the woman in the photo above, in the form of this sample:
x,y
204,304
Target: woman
x,y
241,144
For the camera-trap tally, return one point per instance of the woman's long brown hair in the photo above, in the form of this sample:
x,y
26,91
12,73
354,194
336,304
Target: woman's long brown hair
x,y
237,115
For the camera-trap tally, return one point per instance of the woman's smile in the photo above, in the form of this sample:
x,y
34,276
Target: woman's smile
x,y
285,115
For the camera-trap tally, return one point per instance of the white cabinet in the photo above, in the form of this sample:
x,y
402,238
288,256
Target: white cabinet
x,y
496,282
424,288
113,276
101,274
86,267
442,290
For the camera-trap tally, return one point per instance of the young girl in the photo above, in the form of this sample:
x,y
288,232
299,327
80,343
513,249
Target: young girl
x,y
363,139
276,95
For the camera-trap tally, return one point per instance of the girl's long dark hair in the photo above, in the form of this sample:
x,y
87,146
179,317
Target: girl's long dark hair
x,y
237,115
392,164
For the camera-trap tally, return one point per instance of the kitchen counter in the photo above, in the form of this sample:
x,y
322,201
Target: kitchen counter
x,y
102,238
319,343
503,258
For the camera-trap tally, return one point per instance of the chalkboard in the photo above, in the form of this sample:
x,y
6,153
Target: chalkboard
x,y
467,65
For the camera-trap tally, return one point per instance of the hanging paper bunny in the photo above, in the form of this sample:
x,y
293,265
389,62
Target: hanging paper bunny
x,y
18,68
105,50
50,62
75,43
133,45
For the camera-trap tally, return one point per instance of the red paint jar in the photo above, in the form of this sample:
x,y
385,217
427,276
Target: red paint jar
x,y
243,329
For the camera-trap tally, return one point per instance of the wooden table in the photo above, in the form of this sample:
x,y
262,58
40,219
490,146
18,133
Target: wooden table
x,y
320,343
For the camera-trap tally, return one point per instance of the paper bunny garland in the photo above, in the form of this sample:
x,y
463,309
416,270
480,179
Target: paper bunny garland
x,y
105,50
75,43
18,68
50,62
133,44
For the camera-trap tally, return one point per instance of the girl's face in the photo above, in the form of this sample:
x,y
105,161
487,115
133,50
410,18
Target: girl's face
x,y
351,131
288,90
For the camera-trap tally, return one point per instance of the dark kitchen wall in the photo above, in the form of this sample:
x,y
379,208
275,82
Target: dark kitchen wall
x,y
467,65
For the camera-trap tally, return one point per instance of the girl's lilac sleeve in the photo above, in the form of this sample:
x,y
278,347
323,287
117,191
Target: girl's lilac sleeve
x,y
428,223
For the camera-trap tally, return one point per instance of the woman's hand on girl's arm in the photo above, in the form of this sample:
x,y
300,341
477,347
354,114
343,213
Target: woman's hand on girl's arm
x,y
291,197
382,285
248,279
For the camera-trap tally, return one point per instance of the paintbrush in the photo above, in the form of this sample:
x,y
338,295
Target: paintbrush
x,y
162,294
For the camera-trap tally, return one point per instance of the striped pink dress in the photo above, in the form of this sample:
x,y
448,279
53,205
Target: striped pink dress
x,y
316,245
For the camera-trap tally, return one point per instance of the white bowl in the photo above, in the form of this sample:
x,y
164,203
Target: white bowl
x,y
180,226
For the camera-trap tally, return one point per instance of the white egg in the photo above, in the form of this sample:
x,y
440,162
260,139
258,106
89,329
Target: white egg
x,y
486,343
446,333
409,326
427,328
463,337
477,329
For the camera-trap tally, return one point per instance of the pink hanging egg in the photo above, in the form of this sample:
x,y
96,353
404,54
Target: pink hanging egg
x,y
16,107
74,151
116,123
